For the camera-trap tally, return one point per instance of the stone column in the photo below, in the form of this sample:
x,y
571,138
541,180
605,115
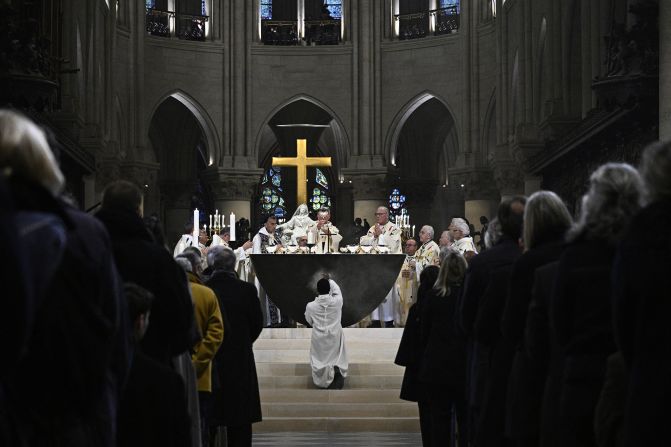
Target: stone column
x,y
177,209
481,197
532,184
145,176
369,191
509,179
233,191
664,71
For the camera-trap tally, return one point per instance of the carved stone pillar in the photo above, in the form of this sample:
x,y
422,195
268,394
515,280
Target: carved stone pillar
x,y
145,176
664,72
480,194
233,190
177,212
369,190
509,179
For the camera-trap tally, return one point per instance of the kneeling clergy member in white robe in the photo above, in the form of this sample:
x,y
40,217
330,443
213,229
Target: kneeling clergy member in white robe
x,y
328,356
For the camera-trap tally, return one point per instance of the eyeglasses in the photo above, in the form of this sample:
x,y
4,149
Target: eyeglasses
x,y
380,214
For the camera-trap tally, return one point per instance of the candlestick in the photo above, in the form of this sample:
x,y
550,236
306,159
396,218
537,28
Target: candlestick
x,y
311,237
210,220
196,227
232,223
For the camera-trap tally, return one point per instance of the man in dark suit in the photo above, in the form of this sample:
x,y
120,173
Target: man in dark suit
x,y
480,272
235,388
141,261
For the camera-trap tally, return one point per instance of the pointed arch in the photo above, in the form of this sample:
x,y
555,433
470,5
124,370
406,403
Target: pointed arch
x,y
264,141
394,132
212,142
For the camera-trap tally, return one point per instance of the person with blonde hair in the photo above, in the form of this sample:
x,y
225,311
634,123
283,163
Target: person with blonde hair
x,y
442,366
581,306
546,221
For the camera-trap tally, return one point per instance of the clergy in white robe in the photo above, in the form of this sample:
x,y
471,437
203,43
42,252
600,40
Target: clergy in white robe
x,y
407,282
327,235
185,241
385,233
240,253
264,238
328,356
460,232
428,253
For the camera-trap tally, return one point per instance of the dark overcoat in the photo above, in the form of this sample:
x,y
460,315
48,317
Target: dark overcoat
x,y
235,386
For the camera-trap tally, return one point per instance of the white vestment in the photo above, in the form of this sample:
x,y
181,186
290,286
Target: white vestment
x,y
323,240
463,245
327,347
428,254
185,241
391,238
240,254
267,306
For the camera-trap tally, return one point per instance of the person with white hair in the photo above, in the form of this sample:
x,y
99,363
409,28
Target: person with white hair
x,y
461,234
642,308
428,253
327,235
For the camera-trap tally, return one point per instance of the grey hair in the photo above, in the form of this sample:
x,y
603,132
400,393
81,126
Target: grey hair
x,y
615,195
384,208
221,258
493,233
442,254
183,262
24,151
429,230
546,219
655,168
462,225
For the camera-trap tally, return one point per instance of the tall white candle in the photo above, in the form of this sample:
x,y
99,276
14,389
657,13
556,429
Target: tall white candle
x,y
196,228
413,230
223,219
311,237
232,223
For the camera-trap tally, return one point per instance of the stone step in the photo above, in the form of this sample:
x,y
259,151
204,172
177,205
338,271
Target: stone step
x,y
344,396
350,333
335,425
303,369
302,355
347,410
353,382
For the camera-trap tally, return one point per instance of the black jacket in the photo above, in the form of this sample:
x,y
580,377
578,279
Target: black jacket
x,y
235,386
149,265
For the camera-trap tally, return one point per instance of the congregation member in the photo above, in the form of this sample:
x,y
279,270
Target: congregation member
x,y
328,355
262,240
642,307
581,305
411,349
141,261
236,404
385,233
153,406
211,326
546,221
407,282
445,240
442,369
64,321
477,281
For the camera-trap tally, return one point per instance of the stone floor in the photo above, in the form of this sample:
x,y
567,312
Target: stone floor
x,y
365,439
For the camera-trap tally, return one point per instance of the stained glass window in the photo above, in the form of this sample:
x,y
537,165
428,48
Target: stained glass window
x,y
448,3
320,195
266,7
203,7
335,8
272,200
149,3
396,202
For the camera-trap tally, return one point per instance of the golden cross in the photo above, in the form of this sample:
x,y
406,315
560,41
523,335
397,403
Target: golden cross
x,y
301,162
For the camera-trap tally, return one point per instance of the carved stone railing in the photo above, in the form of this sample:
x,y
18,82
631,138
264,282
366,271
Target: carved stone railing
x,y
191,27
280,32
417,25
322,32
157,22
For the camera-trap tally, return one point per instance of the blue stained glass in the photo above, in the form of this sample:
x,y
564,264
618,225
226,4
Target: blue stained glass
x,y
203,7
321,179
275,198
448,3
266,9
335,8
316,191
281,202
149,3
277,180
265,179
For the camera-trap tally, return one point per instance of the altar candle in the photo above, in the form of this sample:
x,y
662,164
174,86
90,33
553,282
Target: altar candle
x,y
196,228
222,221
232,224
311,237
210,220
413,230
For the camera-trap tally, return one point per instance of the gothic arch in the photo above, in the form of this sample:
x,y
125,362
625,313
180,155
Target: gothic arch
x,y
264,141
212,143
397,124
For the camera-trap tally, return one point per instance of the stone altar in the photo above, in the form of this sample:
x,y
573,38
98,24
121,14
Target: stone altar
x,y
364,279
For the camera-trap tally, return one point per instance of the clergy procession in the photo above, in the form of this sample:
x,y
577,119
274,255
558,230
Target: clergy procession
x,y
553,334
